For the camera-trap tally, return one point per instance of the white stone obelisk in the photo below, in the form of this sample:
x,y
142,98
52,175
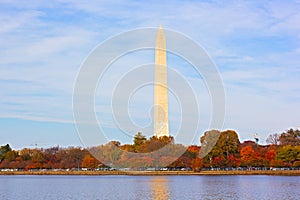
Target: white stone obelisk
x,y
161,123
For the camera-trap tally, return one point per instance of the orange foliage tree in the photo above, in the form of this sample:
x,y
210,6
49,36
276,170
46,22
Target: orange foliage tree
x,y
89,162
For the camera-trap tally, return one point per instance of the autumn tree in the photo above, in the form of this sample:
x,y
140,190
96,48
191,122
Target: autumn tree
x,y
155,143
196,164
247,156
219,148
70,157
127,148
189,159
75,156
37,158
208,142
290,137
270,156
25,154
51,157
89,161
108,154
11,155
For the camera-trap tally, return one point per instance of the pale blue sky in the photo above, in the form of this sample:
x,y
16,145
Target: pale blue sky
x,y
254,44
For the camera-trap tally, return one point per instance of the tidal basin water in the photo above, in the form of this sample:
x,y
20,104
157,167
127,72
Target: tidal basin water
x,y
149,187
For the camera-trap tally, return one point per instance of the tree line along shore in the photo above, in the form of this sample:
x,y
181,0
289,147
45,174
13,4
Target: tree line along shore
x,y
220,152
157,173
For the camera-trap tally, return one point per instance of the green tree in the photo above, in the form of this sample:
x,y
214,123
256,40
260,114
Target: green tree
x,y
228,142
288,154
3,150
139,139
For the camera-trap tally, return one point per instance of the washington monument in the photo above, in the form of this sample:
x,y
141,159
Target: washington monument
x,y
161,123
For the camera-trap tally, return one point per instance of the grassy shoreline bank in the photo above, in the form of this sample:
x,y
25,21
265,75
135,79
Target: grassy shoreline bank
x,y
157,173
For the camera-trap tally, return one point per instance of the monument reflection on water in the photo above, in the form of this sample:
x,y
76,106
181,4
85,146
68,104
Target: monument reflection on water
x,y
159,188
